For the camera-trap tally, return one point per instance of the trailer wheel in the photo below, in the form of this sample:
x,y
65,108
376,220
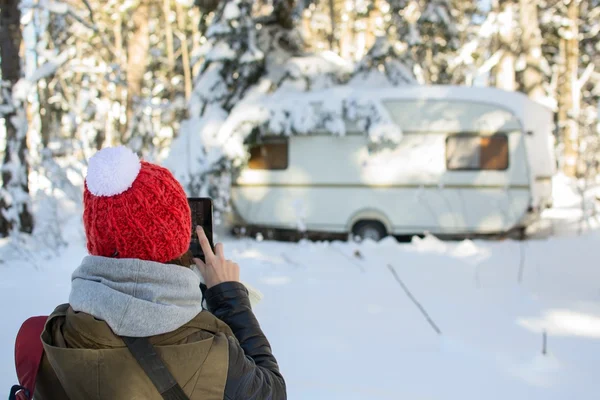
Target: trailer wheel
x,y
373,230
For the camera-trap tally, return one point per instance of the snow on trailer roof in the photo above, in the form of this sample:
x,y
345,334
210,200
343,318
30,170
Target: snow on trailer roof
x,y
297,112
516,102
529,112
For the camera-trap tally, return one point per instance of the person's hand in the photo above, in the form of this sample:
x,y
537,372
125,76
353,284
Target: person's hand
x,y
216,269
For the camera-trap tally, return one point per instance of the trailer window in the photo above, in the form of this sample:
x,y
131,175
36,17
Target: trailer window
x,y
269,156
468,152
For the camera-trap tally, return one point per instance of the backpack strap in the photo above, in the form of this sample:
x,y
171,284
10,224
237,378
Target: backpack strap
x,y
145,354
28,356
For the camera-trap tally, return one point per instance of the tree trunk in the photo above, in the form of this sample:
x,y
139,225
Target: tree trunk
x,y
345,38
48,113
196,39
533,77
137,58
14,196
427,76
307,32
169,33
185,53
505,70
332,43
569,91
121,94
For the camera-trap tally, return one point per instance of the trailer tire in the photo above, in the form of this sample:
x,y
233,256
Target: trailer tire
x,y
373,230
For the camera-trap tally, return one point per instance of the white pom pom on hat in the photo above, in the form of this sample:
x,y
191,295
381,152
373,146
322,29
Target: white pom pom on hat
x,y
112,171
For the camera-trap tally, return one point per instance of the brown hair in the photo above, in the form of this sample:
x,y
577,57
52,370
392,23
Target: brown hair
x,y
185,260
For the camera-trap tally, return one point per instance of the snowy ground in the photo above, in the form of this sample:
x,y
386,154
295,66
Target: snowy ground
x,y
343,327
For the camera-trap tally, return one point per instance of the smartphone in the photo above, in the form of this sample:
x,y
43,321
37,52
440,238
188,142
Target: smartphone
x,y
202,214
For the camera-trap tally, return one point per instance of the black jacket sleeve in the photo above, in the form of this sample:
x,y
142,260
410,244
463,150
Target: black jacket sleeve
x,y
253,372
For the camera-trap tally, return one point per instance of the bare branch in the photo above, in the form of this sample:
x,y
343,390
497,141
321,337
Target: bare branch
x,y
89,8
491,62
587,74
414,300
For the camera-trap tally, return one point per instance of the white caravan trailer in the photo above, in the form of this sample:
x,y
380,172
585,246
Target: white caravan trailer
x,y
471,161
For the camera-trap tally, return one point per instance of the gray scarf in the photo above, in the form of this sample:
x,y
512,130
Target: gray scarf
x,y
135,297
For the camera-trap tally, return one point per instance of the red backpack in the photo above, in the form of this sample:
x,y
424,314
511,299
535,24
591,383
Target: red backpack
x,y
28,356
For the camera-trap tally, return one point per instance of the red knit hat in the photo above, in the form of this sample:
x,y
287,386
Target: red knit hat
x,y
134,209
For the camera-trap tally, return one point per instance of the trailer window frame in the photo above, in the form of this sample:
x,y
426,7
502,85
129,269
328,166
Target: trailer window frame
x,y
474,135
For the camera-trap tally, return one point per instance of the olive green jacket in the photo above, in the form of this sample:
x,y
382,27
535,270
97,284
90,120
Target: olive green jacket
x,y
84,359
